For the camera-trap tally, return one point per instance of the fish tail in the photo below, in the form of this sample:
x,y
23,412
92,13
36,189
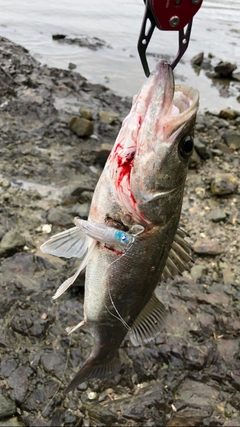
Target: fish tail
x,y
95,368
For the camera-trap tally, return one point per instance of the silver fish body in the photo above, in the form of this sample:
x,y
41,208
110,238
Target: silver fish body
x,y
140,195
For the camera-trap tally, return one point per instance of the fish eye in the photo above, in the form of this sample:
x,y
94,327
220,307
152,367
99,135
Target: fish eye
x,y
185,147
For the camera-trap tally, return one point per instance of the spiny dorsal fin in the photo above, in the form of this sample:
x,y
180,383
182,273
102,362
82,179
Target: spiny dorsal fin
x,y
149,322
179,256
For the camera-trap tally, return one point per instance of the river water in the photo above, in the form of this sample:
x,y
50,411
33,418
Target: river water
x,y
216,30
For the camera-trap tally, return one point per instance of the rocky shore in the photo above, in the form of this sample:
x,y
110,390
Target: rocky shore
x,y
56,132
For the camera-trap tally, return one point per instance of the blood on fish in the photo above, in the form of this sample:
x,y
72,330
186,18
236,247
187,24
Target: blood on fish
x,y
113,250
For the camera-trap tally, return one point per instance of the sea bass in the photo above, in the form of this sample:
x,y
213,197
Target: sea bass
x,y
131,240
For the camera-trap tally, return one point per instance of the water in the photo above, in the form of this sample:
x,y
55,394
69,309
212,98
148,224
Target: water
x,y
215,30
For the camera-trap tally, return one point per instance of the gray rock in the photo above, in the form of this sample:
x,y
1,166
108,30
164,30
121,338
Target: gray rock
x,y
198,270
225,69
198,59
232,138
222,147
7,407
72,193
81,127
236,76
60,217
202,149
102,153
195,160
207,247
11,242
12,422
224,183
71,66
217,215
228,276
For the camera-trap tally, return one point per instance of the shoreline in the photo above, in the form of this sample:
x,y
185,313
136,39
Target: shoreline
x,y
190,373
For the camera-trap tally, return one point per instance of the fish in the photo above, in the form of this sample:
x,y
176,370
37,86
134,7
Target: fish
x,y
131,240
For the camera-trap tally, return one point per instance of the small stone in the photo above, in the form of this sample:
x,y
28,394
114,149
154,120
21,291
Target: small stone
x,y
217,215
85,112
227,113
195,160
7,407
107,116
216,153
4,183
92,395
225,69
81,127
71,66
197,271
207,247
236,76
224,183
12,422
102,153
202,149
232,138
198,59
11,242
222,147
228,276
58,216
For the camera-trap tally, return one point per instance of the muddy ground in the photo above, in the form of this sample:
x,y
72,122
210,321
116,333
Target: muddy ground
x,y
190,375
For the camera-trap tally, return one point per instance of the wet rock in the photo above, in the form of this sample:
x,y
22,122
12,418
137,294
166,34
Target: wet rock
x,y
81,127
227,113
12,422
18,381
195,160
102,153
8,365
217,215
228,276
189,417
197,271
207,247
59,217
224,183
85,112
232,138
222,147
71,66
11,242
7,407
58,36
71,194
225,69
197,59
107,117
202,149
92,43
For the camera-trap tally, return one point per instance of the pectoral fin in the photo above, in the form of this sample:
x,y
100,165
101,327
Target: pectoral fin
x,y
65,285
149,322
179,256
68,244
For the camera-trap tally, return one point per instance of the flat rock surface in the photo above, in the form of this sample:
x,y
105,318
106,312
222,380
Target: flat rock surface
x,y
190,374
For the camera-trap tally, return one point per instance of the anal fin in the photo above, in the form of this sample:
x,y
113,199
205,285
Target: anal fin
x,y
149,322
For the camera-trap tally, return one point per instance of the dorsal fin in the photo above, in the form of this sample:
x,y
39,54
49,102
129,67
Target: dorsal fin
x,y
179,256
149,322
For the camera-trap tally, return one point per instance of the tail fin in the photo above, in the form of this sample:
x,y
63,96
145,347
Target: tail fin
x,y
95,369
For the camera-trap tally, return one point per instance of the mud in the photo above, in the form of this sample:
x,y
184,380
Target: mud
x,y
190,374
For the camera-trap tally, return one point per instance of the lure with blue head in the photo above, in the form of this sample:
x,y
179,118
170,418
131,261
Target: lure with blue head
x,y
103,233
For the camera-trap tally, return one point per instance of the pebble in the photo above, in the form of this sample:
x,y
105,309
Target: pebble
x,y
85,112
81,127
92,395
102,153
11,242
7,407
198,59
217,215
222,147
207,247
232,138
71,66
224,183
203,151
107,116
58,216
198,270
227,113
228,276
225,69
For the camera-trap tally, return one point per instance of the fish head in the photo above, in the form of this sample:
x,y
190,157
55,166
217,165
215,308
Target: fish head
x,y
150,158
